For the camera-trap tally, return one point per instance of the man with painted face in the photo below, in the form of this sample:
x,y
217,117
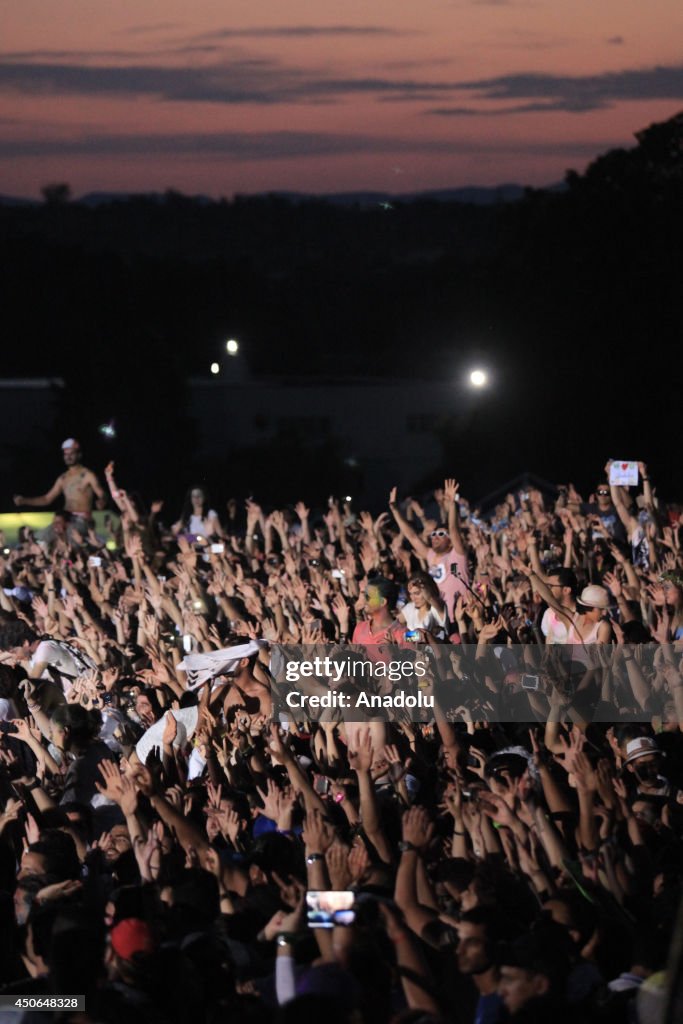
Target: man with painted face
x,y
446,548
379,625
78,485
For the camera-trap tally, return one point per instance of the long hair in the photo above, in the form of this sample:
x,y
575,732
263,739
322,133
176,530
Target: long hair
x,y
424,580
187,504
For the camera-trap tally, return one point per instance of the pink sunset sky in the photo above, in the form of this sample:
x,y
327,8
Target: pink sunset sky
x,y
241,96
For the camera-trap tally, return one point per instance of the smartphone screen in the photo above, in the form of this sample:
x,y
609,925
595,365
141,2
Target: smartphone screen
x,y
330,909
529,682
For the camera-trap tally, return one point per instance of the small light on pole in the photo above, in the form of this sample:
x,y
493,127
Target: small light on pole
x,y
232,347
215,368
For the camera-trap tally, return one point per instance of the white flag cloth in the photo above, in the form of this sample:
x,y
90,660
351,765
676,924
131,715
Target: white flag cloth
x,y
204,666
153,738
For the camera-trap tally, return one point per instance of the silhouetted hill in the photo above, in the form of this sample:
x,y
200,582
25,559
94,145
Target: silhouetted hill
x,y
571,296
475,195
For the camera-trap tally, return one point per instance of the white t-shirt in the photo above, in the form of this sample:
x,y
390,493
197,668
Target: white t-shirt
x,y
554,628
200,526
428,618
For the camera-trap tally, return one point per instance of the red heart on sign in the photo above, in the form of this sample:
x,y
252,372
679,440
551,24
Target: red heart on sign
x,y
624,465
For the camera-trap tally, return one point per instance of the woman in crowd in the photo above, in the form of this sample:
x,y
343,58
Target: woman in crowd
x,y
197,519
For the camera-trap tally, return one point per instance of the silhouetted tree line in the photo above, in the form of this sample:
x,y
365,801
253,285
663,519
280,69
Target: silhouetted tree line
x,y
574,298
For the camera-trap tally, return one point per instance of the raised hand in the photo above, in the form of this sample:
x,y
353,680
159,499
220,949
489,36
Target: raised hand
x,y
397,768
271,800
657,593
361,758
337,859
112,781
341,610
614,584
417,827
358,861
450,490
495,807
31,830
170,729
318,835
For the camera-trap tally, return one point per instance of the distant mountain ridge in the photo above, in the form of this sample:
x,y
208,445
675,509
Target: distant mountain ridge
x,y
473,195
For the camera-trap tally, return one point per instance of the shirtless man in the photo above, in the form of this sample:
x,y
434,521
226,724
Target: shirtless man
x,y
247,691
78,485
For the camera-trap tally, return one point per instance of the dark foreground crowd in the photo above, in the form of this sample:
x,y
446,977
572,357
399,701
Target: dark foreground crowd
x,y
171,829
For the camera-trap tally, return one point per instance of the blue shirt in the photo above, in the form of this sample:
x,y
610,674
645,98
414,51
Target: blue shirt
x,y
490,1009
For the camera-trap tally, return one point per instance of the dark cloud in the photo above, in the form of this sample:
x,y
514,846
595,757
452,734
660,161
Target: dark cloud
x,y
264,81
158,26
245,81
239,81
19,56
575,94
520,108
299,31
242,146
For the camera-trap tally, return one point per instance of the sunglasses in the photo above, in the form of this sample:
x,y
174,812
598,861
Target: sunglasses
x,y
439,533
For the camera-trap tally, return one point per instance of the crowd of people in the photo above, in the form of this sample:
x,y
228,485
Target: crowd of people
x,y
181,840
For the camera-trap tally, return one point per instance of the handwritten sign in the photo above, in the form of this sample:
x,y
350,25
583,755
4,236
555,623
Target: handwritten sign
x,y
623,474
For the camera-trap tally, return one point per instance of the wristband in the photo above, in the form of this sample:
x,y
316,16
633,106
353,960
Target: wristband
x,y
285,938
311,858
407,847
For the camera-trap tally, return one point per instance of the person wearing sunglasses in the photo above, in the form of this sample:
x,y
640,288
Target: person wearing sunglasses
x,y
606,521
446,550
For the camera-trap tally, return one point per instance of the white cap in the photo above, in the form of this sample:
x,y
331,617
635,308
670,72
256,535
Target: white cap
x,y
70,442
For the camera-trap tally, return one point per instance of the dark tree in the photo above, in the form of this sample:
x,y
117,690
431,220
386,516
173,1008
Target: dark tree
x,y
56,194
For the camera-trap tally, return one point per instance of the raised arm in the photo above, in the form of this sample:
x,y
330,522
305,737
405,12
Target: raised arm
x,y
450,491
44,499
417,544
361,761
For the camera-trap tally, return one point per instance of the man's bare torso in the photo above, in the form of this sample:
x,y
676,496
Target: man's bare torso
x,y
77,490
